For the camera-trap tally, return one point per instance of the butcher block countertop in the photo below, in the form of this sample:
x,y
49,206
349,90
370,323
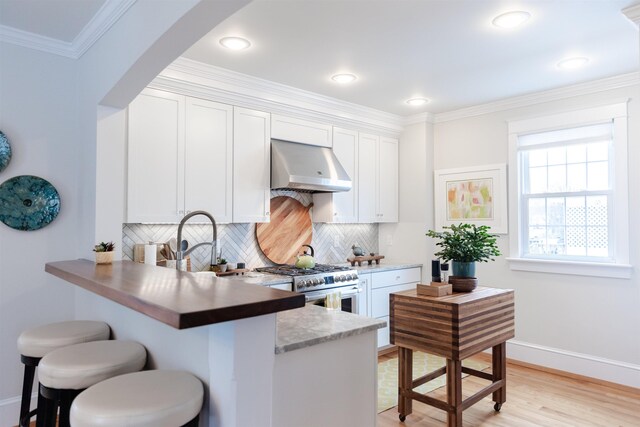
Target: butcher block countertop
x,y
179,299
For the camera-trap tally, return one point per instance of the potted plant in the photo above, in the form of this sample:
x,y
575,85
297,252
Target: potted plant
x,y
222,263
465,244
104,252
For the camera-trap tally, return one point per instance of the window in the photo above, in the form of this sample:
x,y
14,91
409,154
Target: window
x,y
568,204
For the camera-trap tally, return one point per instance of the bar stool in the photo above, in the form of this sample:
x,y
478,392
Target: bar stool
x,y
160,398
65,372
34,343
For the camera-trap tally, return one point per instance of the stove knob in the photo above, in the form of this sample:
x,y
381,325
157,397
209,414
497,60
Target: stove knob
x,y
343,278
302,284
346,277
319,282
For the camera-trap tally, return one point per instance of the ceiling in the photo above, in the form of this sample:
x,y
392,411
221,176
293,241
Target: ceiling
x,y
447,51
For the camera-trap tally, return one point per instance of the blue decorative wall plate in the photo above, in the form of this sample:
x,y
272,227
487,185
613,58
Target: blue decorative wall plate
x,y
5,151
28,202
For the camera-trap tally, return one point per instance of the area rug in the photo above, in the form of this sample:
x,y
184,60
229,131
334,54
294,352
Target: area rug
x,y
422,364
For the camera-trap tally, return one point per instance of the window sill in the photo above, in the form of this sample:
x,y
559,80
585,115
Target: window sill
x,y
596,269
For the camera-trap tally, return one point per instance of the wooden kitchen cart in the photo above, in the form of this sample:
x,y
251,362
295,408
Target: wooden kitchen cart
x,y
455,327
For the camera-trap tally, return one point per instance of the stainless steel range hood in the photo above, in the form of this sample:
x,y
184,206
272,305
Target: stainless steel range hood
x,y
309,168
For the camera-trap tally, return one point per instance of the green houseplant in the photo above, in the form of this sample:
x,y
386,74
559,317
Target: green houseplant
x,y
465,244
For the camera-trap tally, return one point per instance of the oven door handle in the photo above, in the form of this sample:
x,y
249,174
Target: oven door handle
x,y
349,292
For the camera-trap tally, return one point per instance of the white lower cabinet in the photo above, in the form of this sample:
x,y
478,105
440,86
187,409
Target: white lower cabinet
x,y
380,285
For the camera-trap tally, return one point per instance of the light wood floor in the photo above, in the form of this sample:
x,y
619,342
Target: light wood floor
x,y
535,398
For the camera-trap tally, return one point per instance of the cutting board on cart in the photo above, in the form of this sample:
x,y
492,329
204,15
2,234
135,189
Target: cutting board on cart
x,y
281,239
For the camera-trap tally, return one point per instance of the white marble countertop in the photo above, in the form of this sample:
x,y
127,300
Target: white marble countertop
x,y
312,324
258,278
383,266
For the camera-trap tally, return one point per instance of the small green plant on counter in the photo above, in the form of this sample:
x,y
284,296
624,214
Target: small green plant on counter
x,y
104,247
466,243
222,260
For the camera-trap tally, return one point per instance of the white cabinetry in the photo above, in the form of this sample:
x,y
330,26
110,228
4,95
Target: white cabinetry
x,y
377,179
251,166
303,131
180,152
383,284
341,207
364,300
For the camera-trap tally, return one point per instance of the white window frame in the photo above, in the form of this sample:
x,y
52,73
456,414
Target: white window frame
x,y
619,267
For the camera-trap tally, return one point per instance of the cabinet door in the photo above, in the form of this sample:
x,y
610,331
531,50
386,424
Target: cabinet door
x,y
208,158
251,165
341,207
156,158
387,201
299,130
367,177
364,302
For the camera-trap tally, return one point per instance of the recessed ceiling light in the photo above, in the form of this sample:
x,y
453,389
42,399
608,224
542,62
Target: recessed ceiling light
x,y
573,63
417,101
511,19
235,43
344,78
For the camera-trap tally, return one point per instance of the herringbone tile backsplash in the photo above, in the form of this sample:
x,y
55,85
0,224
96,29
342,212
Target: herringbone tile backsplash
x,y
238,241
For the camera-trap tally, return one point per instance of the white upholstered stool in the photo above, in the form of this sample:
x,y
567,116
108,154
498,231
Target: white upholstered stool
x,y
34,343
65,372
143,399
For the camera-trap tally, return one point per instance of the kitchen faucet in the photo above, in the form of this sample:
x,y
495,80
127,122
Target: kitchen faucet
x,y
180,254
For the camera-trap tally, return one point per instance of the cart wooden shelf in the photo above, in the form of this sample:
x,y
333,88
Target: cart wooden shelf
x,y
455,327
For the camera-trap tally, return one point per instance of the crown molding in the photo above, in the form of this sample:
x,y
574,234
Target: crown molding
x,y
633,13
419,118
609,83
201,80
106,16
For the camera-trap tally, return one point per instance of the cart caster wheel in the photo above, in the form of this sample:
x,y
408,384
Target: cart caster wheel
x,y
402,418
497,407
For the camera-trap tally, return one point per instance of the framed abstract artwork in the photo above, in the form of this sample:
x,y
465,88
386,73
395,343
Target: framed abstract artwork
x,y
474,195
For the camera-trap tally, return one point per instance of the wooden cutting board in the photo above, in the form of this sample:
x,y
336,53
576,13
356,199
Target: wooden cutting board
x,y
281,239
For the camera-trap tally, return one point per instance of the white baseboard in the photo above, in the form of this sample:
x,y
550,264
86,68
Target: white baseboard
x,y
10,409
613,371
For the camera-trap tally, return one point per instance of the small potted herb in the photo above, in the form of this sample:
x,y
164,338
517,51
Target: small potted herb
x,y
222,263
104,252
465,244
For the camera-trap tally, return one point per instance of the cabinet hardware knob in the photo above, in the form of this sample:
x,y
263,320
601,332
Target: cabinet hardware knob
x,y
267,213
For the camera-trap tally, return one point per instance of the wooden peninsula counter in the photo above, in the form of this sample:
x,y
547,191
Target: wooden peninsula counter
x,y
266,358
178,298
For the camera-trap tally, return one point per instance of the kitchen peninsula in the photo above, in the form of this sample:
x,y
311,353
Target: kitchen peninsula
x,y
266,358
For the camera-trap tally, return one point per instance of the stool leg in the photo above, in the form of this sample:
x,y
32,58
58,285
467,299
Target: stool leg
x,y
66,398
47,407
27,386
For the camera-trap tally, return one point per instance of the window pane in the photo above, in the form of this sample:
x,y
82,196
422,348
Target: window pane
x,y
597,242
537,240
576,211
576,241
557,178
537,157
555,211
537,212
576,177
577,153
557,156
556,241
598,176
537,180
597,210
598,151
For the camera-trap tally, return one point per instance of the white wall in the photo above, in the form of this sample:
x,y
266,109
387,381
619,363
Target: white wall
x,y
49,109
406,240
586,320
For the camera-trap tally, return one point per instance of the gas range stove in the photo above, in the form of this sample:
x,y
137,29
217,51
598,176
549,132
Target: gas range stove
x,y
322,277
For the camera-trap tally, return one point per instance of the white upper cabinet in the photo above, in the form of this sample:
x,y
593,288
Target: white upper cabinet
x,y
303,131
251,165
341,207
180,158
387,203
377,179
208,158
367,177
